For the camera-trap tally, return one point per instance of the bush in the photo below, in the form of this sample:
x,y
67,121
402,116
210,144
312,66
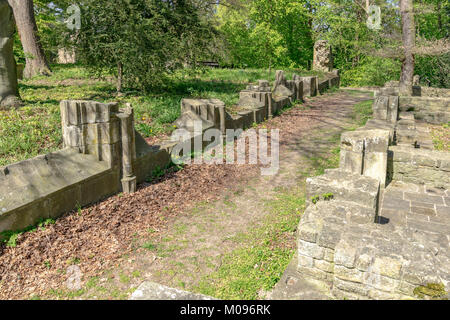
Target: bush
x,y
372,71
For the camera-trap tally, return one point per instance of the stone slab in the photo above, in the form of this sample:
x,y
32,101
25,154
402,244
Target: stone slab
x,y
154,291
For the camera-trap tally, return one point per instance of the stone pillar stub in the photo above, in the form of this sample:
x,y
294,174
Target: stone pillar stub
x,y
323,60
126,117
92,128
365,152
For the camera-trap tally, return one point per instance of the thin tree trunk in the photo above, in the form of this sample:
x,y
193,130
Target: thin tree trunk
x,y
119,77
9,94
408,38
439,13
36,62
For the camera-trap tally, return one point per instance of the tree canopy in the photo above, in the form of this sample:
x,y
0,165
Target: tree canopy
x,y
148,39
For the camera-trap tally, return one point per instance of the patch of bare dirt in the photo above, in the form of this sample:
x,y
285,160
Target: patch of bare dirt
x,y
98,235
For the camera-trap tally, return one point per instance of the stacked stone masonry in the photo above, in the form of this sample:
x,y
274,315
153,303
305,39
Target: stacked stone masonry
x,y
378,227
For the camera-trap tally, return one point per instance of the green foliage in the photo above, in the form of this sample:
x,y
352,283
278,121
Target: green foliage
x,y
371,71
149,39
315,199
434,70
10,237
362,112
328,196
263,33
260,263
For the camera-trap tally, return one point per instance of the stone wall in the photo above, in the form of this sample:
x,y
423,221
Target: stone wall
x,y
66,56
420,166
345,243
48,186
429,109
103,154
257,103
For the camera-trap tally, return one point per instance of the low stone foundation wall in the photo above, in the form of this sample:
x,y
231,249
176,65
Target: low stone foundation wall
x,y
103,154
48,186
419,166
340,245
429,109
344,242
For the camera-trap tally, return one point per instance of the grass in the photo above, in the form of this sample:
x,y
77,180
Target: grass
x,y
10,237
441,136
362,113
35,128
260,263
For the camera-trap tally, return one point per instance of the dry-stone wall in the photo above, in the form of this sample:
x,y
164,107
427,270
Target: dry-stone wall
x,y
344,241
103,154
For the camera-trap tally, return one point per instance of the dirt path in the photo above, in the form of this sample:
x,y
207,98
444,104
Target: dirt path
x,y
177,231
195,244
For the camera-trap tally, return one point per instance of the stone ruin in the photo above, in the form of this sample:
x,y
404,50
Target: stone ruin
x,y
103,154
378,227
66,56
323,59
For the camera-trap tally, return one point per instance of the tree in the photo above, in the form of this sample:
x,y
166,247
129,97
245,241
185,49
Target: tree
x,y
139,42
369,56
36,62
9,95
409,40
266,33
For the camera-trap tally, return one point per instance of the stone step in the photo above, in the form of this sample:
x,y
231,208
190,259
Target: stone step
x,y
406,136
341,185
154,291
406,116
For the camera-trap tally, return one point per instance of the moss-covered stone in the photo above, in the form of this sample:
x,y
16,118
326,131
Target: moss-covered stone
x,y
431,290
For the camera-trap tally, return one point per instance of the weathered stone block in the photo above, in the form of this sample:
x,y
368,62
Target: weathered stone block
x,y
347,274
393,109
305,261
310,249
329,236
324,265
352,287
316,274
380,295
351,161
345,186
375,166
329,255
310,86
323,59
309,230
380,108
345,254
387,266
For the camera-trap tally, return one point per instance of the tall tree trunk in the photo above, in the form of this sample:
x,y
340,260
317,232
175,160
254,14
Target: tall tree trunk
x,y
36,62
9,94
408,39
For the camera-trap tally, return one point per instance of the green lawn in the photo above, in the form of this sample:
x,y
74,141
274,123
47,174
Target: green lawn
x,y
35,128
